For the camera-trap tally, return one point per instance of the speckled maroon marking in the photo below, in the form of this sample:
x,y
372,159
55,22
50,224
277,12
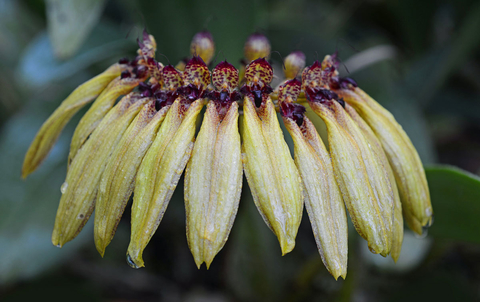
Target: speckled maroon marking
x,y
312,75
258,75
196,69
172,79
147,45
330,63
225,74
260,69
225,80
290,89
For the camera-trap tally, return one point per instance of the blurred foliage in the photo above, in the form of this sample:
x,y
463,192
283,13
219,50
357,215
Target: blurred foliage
x,y
420,59
70,22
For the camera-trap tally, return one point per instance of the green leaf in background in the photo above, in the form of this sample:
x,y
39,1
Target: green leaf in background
x,y
38,59
456,203
70,22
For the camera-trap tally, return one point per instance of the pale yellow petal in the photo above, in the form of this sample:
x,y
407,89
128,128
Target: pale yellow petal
x,y
397,238
97,111
213,183
118,180
402,155
81,184
360,177
271,173
323,200
53,126
158,175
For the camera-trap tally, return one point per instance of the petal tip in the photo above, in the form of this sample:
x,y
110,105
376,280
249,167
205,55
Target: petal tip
x,y
101,246
56,242
135,263
287,246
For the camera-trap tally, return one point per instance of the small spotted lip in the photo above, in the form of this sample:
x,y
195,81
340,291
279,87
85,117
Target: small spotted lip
x,y
313,75
290,88
225,75
261,69
196,73
172,79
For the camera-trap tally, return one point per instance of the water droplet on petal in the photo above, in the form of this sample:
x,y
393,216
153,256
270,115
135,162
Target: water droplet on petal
x,y
424,233
130,262
430,222
64,187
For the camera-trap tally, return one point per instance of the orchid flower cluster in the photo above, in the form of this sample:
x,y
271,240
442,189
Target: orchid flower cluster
x,y
142,144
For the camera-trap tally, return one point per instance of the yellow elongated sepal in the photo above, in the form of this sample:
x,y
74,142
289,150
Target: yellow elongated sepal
x,y
397,237
402,155
360,176
213,184
271,173
53,126
158,175
118,180
323,200
83,177
97,111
